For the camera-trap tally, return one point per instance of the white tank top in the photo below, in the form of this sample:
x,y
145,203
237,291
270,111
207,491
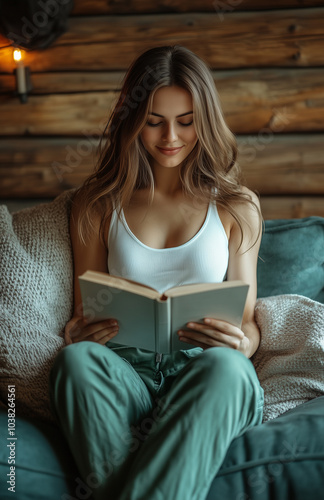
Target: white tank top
x,y
202,259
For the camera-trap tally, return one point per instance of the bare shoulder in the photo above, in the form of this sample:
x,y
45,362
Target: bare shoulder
x,y
248,210
247,206
252,195
245,229
249,228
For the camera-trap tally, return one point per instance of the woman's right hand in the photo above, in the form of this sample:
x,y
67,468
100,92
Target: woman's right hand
x,y
79,329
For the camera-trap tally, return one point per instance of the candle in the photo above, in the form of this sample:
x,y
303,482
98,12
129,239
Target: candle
x,y
21,80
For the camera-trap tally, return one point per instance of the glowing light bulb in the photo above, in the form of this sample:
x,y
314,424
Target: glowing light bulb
x,y
17,55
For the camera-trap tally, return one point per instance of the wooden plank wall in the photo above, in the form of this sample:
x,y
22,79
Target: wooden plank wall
x,y
268,62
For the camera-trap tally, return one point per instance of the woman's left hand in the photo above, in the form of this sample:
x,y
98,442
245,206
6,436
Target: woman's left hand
x,y
215,333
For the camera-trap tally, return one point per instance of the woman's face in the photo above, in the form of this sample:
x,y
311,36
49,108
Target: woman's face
x,y
169,134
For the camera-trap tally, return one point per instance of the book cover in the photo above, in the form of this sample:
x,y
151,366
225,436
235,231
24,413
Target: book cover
x,y
150,320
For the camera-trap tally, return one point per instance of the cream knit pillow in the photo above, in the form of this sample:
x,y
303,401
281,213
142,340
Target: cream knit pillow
x,y
290,359
36,279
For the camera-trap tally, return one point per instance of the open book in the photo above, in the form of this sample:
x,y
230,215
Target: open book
x,y
150,320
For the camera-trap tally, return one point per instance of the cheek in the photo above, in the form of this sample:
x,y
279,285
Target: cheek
x,y
147,136
191,135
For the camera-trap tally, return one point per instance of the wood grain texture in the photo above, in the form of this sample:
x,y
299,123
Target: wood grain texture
x,y
57,114
292,207
65,82
285,38
268,64
265,102
43,168
84,7
288,165
272,101
284,165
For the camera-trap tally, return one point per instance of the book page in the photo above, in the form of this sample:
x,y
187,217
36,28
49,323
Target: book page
x,y
120,283
135,314
201,287
224,303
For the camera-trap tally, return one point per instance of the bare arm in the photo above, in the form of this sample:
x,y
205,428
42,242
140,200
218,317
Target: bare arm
x,y
90,255
242,266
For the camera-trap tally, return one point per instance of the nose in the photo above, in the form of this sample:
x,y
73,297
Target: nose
x,y
170,133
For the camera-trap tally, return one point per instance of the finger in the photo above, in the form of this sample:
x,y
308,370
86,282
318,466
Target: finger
x,y
93,328
211,339
70,325
83,330
107,338
201,328
199,343
99,336
74,328
67,338
224,327
210,332
196,338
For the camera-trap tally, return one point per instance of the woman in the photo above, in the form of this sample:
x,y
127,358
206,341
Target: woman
x,y
164,207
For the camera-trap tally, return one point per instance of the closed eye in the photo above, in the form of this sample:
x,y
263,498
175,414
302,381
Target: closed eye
x,y
157,124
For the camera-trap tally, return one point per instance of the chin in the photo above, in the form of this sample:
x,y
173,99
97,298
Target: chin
x,y
169,163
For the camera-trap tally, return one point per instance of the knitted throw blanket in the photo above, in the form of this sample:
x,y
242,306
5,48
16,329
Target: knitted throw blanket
x,y
36,277
36,286
290,359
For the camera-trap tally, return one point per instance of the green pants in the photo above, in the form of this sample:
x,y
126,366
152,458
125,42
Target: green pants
x,y
147,426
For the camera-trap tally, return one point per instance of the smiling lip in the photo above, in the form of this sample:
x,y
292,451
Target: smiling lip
x,y
170,151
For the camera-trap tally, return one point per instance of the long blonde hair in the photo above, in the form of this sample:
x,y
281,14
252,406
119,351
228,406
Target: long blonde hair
x,y
123,166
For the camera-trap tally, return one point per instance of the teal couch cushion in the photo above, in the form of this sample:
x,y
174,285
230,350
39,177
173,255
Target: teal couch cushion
x,y
44,466
291,258
280,459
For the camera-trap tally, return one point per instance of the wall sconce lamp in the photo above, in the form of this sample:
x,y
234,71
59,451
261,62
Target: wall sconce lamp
x,y
22,73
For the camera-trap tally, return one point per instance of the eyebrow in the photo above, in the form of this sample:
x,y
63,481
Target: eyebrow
x,y
179,116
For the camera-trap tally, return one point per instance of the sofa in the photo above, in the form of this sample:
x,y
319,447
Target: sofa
x,y
282,458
